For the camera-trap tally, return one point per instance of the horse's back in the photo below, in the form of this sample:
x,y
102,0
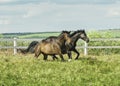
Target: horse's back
x,y
50,47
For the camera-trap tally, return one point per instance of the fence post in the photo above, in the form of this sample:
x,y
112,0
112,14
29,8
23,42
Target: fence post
x,y
85,49
15,45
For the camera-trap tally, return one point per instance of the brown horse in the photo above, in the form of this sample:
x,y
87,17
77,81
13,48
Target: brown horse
x,y
52,47
70,45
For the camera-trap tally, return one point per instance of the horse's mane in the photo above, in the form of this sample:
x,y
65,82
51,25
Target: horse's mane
x,y
64,31
81,30
73,33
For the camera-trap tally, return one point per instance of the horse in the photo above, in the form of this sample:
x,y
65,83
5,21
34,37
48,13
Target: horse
x,y
52,46
30,48
70,45
79,34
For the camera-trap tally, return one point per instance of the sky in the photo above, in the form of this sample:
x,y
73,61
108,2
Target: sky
x,y
58,15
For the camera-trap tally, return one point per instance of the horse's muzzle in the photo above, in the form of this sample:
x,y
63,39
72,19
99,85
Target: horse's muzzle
x,y
87,40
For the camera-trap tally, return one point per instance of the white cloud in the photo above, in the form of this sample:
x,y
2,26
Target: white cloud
x,y
38,9
5,22
6,1
114,12
49,16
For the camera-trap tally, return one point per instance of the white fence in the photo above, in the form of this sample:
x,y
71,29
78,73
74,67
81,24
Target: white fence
x,y
85,46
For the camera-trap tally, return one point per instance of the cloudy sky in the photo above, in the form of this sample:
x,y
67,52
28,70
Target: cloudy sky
x,y
58,15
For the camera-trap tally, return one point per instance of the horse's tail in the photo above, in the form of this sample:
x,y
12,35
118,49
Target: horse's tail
x,y
31,47
23,51
37,50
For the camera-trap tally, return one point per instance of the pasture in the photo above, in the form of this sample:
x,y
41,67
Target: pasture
x,y
24,70
101,67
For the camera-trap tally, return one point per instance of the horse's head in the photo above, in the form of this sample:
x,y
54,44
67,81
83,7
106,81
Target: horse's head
x,y
83,35
65,34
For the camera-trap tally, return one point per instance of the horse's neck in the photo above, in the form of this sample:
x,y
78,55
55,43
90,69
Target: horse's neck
x,y
72,34
60,40
75,38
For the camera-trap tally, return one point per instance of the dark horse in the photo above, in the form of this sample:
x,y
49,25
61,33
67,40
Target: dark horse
x,y
70,45
30,48
79,34
52,46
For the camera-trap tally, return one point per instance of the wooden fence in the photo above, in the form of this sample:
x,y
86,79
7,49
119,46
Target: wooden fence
x,y
85,45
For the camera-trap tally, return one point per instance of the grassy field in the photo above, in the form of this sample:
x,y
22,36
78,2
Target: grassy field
x,y
100,68
29,35
24,70
113,33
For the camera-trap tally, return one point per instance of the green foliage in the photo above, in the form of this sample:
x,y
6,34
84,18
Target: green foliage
x,y
104,34
104,51
110,33
100,34
25,70
1,35
40,35
30,35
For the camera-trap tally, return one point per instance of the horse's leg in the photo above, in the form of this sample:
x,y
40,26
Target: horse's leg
x,y
37,52
54,57
76,53
61,56
69,55
45,56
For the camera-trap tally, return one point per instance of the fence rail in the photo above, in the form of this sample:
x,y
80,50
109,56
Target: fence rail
x,y
85,46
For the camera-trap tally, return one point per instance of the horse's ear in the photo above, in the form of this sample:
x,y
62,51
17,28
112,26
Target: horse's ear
x,y
82,30
63,31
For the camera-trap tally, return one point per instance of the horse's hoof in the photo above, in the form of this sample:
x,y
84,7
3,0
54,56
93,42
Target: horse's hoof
x,y
76,58
63,60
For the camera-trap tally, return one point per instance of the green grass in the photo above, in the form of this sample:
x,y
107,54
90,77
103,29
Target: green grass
x,y
40,35
104,33
29,35
20,70
109,33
